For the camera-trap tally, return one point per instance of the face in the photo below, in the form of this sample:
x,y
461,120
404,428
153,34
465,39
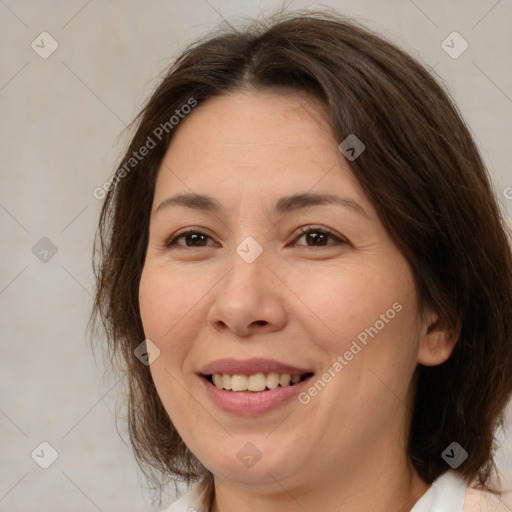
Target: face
x,y
284,271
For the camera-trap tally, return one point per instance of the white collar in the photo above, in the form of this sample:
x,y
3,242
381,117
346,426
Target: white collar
x,y
446,494
188,502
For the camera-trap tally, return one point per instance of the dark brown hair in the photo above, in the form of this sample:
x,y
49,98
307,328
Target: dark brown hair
x,y
423,174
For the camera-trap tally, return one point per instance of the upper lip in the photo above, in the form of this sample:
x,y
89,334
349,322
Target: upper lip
x,y
250,367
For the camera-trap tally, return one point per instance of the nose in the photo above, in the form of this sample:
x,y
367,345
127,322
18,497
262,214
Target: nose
x,y
248,300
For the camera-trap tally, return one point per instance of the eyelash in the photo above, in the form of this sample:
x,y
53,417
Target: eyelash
x,y
302,231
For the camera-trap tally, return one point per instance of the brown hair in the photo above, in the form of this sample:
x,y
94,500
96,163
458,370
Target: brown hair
x,y
423,174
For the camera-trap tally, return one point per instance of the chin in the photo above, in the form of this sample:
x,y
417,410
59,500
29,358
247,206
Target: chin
x,y
251,464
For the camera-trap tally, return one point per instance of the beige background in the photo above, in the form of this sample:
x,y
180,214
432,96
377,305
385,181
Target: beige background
x,y
60,119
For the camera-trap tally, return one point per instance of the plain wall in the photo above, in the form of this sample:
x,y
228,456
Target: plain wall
x,y
60,121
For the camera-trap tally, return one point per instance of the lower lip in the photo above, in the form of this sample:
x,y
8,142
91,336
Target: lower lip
x,y
249,403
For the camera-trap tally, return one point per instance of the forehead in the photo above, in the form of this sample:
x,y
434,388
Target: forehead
x,y
255,140
244,119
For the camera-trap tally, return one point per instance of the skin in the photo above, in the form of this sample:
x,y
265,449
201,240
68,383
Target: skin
x,y
301,301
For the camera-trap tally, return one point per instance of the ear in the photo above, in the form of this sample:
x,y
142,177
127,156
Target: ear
x,y
437,340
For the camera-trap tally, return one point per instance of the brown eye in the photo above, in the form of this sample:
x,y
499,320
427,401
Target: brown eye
x,y
318,237
191,238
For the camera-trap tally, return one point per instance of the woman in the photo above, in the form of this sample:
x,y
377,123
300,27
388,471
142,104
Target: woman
x,y
308,278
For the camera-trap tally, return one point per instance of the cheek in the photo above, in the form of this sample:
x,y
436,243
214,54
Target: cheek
x,y
344,301
368,316
169,320
168,301
162,313
370,332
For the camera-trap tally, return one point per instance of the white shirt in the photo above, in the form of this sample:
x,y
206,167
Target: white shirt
x,y
449,493
446,494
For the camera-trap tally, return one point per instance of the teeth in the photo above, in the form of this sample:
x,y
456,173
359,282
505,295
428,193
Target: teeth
x,y
256,382
226,381
284,379
217,380
272,380
238,382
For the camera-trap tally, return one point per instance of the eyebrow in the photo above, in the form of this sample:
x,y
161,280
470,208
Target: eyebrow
x,y
283,205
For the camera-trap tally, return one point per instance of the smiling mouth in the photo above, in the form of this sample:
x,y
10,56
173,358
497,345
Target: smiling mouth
x,y
255,383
